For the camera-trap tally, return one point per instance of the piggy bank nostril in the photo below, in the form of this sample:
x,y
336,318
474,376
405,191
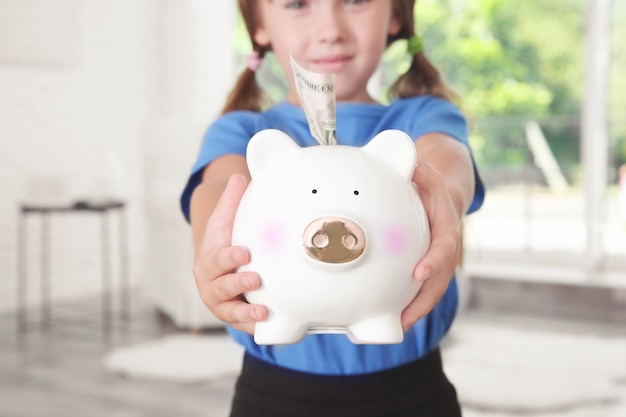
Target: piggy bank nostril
x,y
320,240
349,241
333,240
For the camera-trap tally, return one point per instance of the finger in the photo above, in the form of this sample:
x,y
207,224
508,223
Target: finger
x,y
244,327
220,262
443,221
224,297
427,298
424,176
234,285
219,227
240,312
442,255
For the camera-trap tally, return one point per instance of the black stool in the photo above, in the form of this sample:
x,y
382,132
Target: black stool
x,y
44,211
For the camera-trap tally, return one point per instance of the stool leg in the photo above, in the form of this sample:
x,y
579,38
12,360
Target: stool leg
x,y
46,310
22,285
124,273
106,275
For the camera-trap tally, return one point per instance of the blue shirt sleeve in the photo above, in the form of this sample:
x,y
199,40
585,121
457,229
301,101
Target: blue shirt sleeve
x,y
229,134
441,116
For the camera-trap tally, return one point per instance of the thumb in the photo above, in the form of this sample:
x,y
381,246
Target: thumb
x,y
422,175
219,227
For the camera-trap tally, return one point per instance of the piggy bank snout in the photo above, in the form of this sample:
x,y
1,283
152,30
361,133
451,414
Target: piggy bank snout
x,y
333,240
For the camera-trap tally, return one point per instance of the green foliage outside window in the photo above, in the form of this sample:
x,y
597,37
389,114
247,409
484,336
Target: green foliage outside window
x,y
510,62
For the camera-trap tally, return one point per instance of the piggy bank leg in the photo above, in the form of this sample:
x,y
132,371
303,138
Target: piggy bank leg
x,y
278,331
384,329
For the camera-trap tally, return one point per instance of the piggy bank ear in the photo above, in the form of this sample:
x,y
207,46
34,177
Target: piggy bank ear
x,y
268,147
396,149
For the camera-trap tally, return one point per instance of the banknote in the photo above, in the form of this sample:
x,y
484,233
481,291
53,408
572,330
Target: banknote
x,y
317,94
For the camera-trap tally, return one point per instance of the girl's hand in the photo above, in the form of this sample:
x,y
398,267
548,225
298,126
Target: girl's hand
x,y
437,266
219,286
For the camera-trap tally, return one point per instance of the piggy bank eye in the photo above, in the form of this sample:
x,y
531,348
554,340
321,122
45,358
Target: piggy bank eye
x,y
314,190
356,192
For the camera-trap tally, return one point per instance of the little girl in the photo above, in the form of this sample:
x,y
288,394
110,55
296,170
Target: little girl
x,y
324,374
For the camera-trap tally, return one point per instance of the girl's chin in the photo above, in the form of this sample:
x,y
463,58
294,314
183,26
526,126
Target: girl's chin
x,y
361,97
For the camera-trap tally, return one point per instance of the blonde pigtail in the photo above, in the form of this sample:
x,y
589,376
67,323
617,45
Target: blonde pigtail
x,y
422,78
246,94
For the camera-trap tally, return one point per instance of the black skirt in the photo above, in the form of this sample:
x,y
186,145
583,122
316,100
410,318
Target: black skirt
x,y
417,389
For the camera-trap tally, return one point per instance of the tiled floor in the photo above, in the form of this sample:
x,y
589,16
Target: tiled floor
x,y
59,371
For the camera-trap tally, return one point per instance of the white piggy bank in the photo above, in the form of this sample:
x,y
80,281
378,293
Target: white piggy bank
x,y
334,233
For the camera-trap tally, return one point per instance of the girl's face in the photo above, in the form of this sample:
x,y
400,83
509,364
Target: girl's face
x,y
345,37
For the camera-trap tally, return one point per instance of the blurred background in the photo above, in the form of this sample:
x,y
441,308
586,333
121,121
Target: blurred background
x,y
103,104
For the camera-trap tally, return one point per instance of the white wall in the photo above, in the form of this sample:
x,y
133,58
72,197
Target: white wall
x,y
197,66
117,108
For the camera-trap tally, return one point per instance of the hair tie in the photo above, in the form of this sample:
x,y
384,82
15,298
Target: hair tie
x,y
415,45
253,61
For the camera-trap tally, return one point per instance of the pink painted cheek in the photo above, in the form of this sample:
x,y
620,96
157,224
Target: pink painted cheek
x,y
273,236
396,240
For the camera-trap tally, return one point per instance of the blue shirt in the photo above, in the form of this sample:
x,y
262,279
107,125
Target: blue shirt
x,y
357,123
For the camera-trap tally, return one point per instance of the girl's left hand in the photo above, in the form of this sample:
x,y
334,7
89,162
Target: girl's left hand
x,y
437,266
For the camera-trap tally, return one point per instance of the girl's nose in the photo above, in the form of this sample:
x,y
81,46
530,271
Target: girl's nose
x,y
331,27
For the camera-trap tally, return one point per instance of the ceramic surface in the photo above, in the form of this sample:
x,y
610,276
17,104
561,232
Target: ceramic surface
x,y
334,233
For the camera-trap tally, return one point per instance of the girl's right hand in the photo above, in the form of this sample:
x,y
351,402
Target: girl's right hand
x,y
220,287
